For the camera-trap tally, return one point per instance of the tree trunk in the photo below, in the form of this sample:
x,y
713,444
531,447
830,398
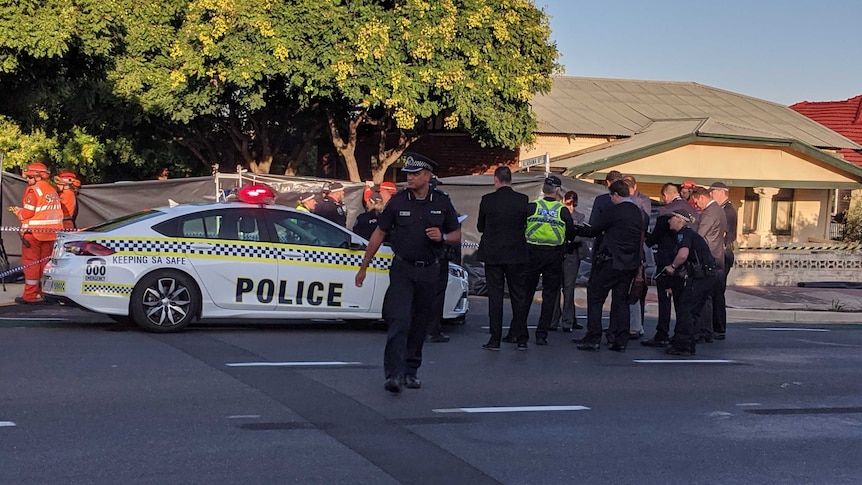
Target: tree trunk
x,y
346,148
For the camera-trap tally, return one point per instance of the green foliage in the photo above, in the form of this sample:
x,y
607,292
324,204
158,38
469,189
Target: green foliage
x,y
112,84
853,223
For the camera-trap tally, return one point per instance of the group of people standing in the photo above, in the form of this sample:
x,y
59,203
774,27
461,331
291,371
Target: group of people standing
x,y
44,212
524,241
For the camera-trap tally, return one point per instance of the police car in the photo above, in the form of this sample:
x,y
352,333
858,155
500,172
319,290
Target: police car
x,y
167,267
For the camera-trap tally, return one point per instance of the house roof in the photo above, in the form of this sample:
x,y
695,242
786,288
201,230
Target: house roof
x,y
665,135
844,117
621,107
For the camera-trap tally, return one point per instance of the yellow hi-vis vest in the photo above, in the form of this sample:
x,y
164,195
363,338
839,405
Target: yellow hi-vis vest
x,y
546,227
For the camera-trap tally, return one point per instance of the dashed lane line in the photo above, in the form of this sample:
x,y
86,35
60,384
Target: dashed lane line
x,y
511,409
784,329
684,361
333,363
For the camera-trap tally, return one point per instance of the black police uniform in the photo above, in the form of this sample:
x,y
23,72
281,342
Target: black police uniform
x,y
699,276
366,223
414,275
435,324
331,210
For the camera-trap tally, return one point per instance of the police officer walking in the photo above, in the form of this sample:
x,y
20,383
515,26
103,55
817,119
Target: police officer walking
x,y
695,265
549,226
420,223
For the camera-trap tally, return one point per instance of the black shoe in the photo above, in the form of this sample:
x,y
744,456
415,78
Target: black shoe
x,y
589,347
719,336
617,348
21,301
653,342
439,338
491,345
578,326
510,339
522,345
635,336
567,330
392,385
676,351
554,329
411,382
580,340
541,341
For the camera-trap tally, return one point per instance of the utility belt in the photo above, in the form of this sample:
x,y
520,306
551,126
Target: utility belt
x,y
699,271
418,263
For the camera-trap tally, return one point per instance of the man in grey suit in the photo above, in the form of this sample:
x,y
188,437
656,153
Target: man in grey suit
x,y
712,227
721,195
503,248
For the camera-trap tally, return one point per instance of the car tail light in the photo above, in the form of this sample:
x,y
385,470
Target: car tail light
x,y
87,248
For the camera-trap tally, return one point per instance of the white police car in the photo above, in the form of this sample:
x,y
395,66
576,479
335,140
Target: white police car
x,y
169,266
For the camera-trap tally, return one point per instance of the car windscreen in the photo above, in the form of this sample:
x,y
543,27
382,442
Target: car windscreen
x,y
124,221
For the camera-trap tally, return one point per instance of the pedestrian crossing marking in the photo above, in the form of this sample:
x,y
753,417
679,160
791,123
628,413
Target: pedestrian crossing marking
x,y
684,361
291,364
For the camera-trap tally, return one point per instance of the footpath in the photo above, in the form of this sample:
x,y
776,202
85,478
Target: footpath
x,y
786,304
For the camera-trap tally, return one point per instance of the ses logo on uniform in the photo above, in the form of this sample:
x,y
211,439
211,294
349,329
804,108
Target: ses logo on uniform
x,y
95,270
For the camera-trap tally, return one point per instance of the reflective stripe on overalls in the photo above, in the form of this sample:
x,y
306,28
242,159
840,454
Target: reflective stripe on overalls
x,y
546,227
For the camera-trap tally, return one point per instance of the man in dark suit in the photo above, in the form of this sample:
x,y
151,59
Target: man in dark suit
x,y
721,196
663,237
712,226
503,249
616,261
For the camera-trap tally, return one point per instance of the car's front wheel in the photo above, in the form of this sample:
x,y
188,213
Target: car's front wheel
x,y
164,301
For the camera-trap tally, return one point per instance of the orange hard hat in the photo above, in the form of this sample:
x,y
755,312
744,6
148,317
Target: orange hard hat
x,y
689,184
390,186
35,168
67,178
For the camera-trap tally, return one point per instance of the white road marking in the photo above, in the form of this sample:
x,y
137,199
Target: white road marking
x,y
749,404
778,329
683,361
34,319
291,364
244,416
7,424
511,409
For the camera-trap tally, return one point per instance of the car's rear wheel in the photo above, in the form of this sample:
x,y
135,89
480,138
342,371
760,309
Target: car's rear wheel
x,y
164,301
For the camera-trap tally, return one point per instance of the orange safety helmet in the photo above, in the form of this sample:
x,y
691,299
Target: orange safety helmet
x,y
35,169
67,178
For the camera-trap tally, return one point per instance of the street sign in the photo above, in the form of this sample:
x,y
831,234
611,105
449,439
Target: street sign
x,y
533,161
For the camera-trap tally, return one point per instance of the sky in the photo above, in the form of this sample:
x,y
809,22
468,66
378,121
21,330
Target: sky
x,y
783,51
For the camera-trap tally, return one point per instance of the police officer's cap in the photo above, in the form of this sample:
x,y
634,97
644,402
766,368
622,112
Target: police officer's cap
x,y
413,163
333,187
684,214
306,196
554,181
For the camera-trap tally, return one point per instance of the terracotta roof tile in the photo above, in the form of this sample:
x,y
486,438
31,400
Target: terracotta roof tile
x,y
844,117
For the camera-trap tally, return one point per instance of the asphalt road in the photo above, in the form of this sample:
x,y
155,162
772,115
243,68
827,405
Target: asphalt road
x,y
81,405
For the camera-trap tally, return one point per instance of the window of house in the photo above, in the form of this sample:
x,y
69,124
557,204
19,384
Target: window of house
x,y
782,212
749,211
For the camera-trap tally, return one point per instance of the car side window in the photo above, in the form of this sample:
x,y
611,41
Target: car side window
x,y
305,230
227,224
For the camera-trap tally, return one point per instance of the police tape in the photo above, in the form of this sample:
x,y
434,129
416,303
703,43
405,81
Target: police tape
x,y
34,229
23,267
836,247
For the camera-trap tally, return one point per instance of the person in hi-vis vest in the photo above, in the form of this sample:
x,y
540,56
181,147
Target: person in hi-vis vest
x,y
41,217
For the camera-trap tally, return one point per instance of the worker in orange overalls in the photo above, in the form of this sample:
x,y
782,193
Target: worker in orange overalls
x,y
41,218
67,188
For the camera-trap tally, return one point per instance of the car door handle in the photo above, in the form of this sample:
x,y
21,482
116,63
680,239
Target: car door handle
x,y
203,246
292,255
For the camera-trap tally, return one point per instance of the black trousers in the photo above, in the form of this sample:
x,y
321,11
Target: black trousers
x,y
408,308
435,325
497,276
604,280
547,262
689,324
719,309
675,286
